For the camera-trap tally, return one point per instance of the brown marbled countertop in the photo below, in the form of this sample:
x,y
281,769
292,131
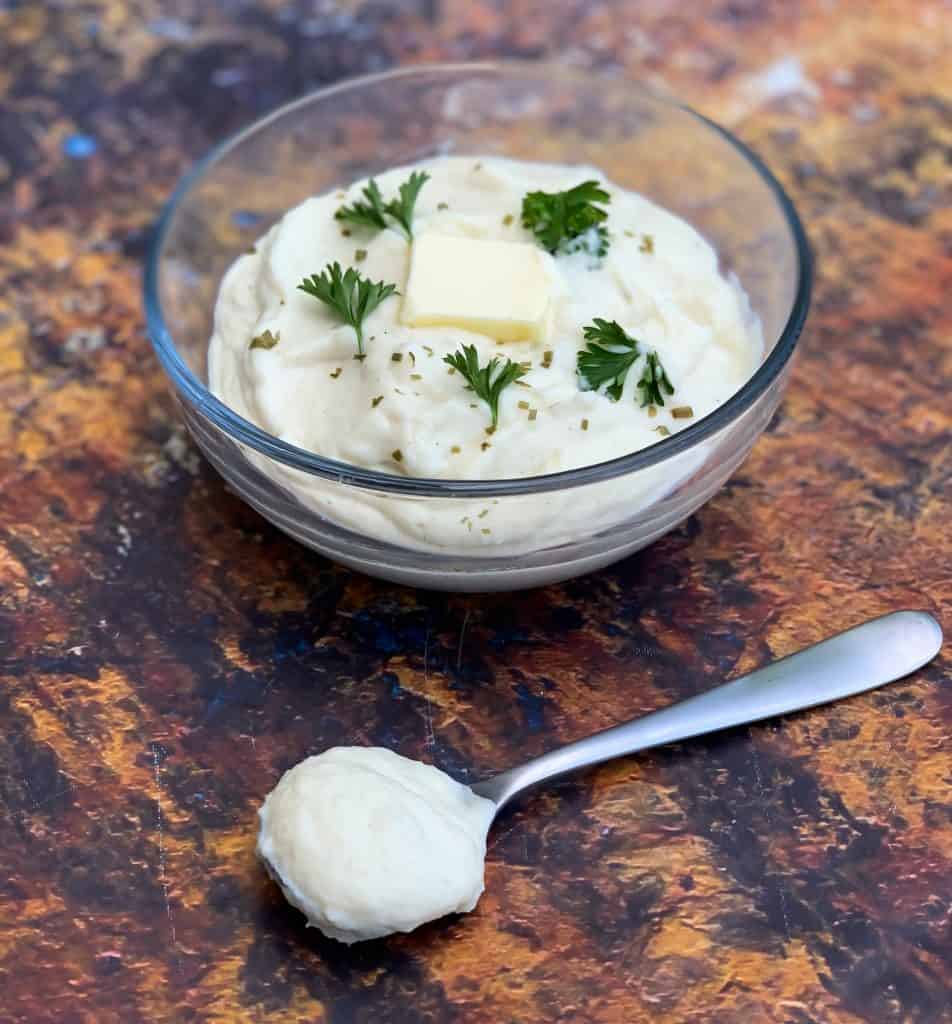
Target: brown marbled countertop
x,y
164,653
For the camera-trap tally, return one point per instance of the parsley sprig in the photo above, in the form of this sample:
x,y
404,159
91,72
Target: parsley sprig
x,y
610,353
561,220
654,381
370,213
352,296
489,381
607,358
373,212
401,208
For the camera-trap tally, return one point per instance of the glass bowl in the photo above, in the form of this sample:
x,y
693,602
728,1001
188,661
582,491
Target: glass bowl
x,y
565,523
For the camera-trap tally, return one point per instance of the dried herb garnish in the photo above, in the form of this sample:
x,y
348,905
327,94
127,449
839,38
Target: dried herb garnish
x,y
265,340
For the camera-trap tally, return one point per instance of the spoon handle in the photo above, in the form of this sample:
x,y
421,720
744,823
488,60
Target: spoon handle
x,y
860,659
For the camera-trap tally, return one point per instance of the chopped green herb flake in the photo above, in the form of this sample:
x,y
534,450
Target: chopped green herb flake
x,y
584,424
265,340
663,431
397,357
377,401
508,219
682,412
416,376
396,455
442,206
532,414
456,449
523,405
360,255
337,373
547,357
647,244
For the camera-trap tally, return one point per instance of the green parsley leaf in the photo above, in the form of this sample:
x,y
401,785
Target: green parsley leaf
x,y
265,340
653,381
561,221
401,208
373,211
369,213
486,381
350,295
607,358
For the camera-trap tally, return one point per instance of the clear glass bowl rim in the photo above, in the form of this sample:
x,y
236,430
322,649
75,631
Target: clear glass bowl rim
x,y
247,433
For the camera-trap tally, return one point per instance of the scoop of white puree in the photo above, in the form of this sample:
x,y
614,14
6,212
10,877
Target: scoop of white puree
x,y
366,842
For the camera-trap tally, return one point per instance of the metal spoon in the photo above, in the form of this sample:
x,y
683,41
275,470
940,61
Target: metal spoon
x,y
860,659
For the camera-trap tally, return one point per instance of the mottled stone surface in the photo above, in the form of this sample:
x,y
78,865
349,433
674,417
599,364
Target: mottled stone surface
x,y
165,654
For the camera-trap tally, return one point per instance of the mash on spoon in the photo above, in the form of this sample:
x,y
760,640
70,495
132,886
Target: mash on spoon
x,y
365,842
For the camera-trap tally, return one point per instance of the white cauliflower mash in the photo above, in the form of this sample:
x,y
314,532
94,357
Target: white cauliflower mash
x,y
366,842
401,411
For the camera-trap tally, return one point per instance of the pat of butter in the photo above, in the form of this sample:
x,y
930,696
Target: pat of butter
x,y
496,288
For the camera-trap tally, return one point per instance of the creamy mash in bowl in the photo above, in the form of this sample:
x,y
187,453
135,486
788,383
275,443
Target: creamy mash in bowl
x,y
477,368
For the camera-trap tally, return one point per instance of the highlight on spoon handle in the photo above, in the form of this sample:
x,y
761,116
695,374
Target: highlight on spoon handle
x,y
860,659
